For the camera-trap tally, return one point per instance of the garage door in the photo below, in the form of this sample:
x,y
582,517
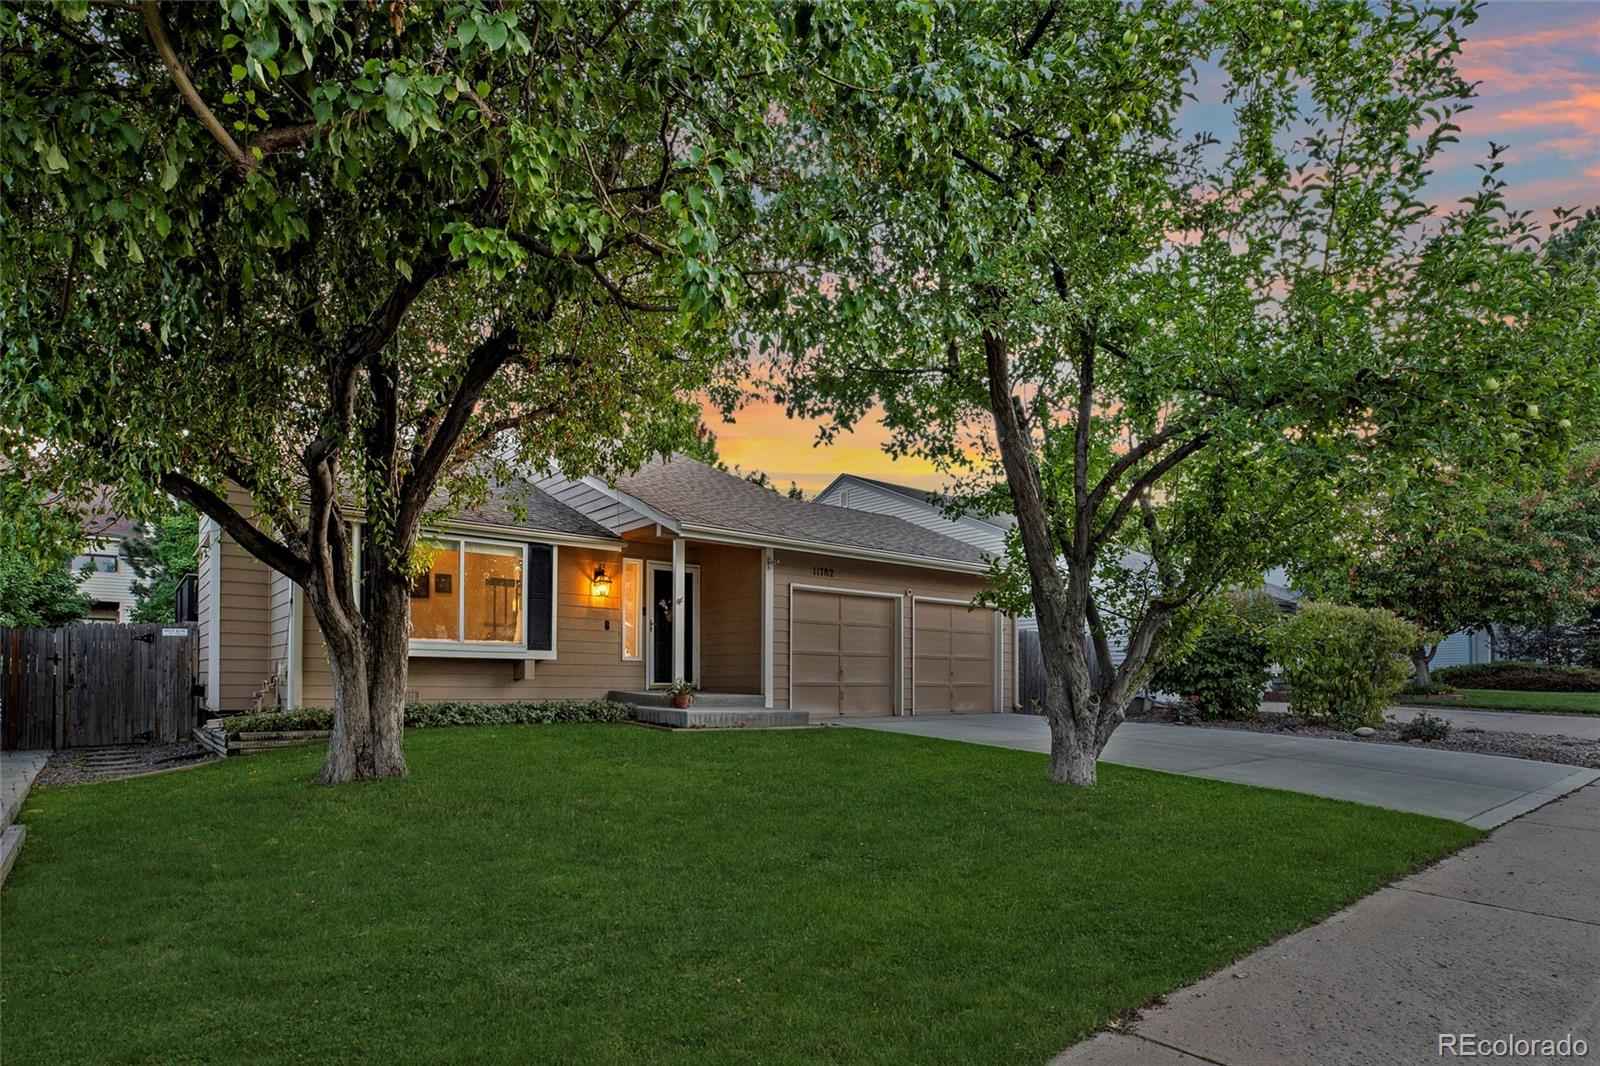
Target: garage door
x,y
953,652
843,653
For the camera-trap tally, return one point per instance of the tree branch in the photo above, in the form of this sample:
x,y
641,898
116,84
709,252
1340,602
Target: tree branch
x,y
1149,478
275,554
243,161
1038,30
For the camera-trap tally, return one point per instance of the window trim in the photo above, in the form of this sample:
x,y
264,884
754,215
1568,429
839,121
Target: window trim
x,y
639,620
462,648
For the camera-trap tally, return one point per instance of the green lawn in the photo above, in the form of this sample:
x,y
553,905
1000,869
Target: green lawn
x,y
1497,699
620,895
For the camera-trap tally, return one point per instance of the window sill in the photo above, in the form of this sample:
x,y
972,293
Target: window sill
x,y
423,650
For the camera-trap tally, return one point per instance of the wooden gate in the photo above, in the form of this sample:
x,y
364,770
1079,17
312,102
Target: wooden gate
x,y
91,685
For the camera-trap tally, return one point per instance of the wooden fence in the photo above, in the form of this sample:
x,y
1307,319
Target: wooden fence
x,y
90,685
1030,670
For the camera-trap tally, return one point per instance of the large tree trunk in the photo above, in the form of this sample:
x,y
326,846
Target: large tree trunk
x,y
369,684
1422,659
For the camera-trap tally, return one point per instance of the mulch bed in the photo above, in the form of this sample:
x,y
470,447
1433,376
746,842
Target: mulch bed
x,y
1568,750
80,766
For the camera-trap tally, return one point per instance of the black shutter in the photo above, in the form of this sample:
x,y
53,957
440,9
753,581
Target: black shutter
x,y
541,582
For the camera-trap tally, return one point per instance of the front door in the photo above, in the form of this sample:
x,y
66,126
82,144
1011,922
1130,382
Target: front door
x,y
663,618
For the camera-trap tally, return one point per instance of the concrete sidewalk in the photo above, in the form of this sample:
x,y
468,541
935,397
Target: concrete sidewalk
x,y
1502,939
1580,726
1481,790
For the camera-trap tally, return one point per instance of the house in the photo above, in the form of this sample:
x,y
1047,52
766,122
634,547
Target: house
x,y
557,588
106,575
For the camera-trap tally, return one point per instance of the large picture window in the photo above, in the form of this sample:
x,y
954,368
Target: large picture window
x,y
471,593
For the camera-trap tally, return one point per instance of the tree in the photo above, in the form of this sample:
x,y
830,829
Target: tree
x,y
34,594
160,560
357,260
1448,558
1138,319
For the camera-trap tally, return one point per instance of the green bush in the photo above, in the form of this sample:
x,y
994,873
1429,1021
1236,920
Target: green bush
x,y
1223,673
432,715
1515,676
1344,664
1425,726
1436,688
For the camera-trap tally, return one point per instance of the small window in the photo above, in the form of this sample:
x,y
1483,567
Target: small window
x,y
94,564
632,607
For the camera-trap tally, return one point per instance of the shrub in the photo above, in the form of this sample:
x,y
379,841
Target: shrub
x,y
1513,675
1344,664
432,715
1223,673
1425,726
1437,688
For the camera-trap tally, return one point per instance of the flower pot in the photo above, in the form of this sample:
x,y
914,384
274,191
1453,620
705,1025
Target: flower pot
x,y
683,700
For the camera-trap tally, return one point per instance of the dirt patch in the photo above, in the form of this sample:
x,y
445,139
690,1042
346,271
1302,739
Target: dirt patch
x,y
1571,751
79,766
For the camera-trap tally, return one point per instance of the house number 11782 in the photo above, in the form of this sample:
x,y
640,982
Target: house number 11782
x,y
822,571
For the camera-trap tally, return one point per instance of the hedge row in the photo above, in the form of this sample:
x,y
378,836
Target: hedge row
x,y
1509,674
430,715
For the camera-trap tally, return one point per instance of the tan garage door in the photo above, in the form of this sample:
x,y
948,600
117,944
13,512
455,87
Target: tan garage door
x,y
953,652
843,653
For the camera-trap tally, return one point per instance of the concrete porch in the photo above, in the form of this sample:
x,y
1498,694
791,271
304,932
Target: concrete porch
x,y
711,710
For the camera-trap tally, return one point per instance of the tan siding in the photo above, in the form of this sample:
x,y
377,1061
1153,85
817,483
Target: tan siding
x,y
244,619
799,568
730,619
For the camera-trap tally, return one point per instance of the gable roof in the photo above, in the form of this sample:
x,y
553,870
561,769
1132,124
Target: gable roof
x,y
933,499
700,497
517,502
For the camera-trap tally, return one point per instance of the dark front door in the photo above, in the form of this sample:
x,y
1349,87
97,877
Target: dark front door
x,y
662,619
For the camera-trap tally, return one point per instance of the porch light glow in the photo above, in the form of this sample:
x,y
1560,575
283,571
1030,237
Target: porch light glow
x,y
602,581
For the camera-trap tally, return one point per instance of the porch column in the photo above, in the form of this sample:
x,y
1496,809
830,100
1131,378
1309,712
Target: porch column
x,y
679,618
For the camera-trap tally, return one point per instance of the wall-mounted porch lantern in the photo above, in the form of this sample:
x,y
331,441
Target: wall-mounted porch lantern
x,y
601,582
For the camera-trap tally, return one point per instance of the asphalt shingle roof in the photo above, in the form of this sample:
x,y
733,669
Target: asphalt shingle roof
x,y
520,503
700,495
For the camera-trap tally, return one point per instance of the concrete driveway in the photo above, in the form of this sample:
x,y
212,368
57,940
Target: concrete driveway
x,y
1481,790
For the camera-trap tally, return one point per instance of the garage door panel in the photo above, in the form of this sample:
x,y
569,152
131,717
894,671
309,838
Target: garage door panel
x,y
865,610
955,659
971,672
844,653
866,640
867,699
867,670
973,646
819,699
815,607
979,620
819,637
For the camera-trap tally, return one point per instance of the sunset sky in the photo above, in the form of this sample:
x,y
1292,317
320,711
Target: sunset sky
x,y
1539,68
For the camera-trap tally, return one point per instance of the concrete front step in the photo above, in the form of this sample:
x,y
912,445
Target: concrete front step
x,y
698,717
660,698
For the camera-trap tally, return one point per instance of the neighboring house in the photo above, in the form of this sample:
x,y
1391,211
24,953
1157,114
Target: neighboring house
x,y
560,588
106,574
1462,648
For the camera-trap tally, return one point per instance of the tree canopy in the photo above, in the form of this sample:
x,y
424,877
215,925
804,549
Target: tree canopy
x,y
1140,318
359,259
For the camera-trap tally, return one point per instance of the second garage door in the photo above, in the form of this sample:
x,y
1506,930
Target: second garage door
x,y
953,659
843,653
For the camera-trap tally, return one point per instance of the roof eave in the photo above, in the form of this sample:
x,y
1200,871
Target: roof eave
x,y
766,540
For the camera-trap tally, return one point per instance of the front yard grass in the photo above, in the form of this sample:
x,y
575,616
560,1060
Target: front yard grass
x,y
1488,699
615,894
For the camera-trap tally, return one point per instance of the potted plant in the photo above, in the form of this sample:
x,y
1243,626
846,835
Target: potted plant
x,y
682,693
